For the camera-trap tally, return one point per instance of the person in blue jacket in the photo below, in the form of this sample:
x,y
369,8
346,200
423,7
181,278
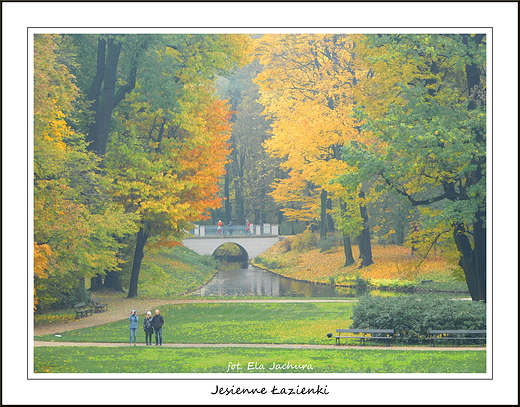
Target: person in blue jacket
x,y
133,326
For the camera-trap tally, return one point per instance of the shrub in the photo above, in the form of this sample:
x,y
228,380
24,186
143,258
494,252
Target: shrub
x,y
412,316
305,241
267,263
330,242
285,245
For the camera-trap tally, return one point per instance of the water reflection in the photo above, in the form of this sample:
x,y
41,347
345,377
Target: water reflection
x,y
256,282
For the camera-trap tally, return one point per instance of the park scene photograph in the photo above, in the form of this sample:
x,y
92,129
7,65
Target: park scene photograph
x,y
259,205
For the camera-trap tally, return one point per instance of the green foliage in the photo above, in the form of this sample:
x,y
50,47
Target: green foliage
x,y
361,284
270,264
173,271
412,316
424,104
228,249
330,242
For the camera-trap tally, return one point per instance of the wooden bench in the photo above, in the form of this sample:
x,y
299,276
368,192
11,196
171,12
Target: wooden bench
x,y
82,310
98,307
457,335
362,335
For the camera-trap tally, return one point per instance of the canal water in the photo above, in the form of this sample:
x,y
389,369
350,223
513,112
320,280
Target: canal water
x,y
257,282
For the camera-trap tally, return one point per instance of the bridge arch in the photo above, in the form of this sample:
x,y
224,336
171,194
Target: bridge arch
x,y
252,245
243,257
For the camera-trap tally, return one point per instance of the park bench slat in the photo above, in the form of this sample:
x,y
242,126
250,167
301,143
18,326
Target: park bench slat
x,y
98,306
363,337
82,310
460,335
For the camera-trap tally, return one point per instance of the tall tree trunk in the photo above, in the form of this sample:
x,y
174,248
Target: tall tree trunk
x,y
347,248
227,199
142,237
365,235
96,283
240,205
414,229
323,214
473,260
347,243
330,221
400,233
105,102
113,281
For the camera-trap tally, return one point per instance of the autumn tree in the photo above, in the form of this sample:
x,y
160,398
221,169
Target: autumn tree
x,y
306,88
168,146
76,229
172,182
152,118
423,99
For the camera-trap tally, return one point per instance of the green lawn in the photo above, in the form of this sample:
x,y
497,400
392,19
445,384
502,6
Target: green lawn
x,y
306,323
257,360
296,323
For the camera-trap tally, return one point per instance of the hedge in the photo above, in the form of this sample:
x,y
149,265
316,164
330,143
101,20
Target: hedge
x,y
412,316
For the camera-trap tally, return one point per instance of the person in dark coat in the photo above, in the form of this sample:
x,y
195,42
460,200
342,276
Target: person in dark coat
x,y
157,323
148,328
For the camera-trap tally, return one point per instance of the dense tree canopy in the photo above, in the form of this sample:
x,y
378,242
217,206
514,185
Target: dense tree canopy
x,y
380,114
129,137
373,135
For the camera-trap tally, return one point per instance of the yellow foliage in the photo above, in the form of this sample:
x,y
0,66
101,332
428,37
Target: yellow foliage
x,y
306,87
391,262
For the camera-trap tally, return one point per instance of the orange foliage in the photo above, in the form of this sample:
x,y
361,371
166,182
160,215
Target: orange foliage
x,y
391,262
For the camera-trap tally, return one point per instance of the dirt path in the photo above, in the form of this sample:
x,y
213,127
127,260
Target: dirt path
x,y
119,308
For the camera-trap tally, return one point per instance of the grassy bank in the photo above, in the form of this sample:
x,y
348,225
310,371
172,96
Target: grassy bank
x,y
244,360
173,271
394,267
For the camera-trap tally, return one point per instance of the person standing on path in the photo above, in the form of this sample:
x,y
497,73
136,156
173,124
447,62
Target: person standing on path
x,y
148,328
157,323
133,318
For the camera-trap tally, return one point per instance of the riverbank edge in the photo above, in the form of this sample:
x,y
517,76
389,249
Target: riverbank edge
x,y
382,288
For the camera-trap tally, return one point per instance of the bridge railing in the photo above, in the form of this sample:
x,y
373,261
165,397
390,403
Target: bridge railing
x,y
266,229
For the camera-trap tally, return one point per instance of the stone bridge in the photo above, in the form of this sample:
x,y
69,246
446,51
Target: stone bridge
x,y
250,243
